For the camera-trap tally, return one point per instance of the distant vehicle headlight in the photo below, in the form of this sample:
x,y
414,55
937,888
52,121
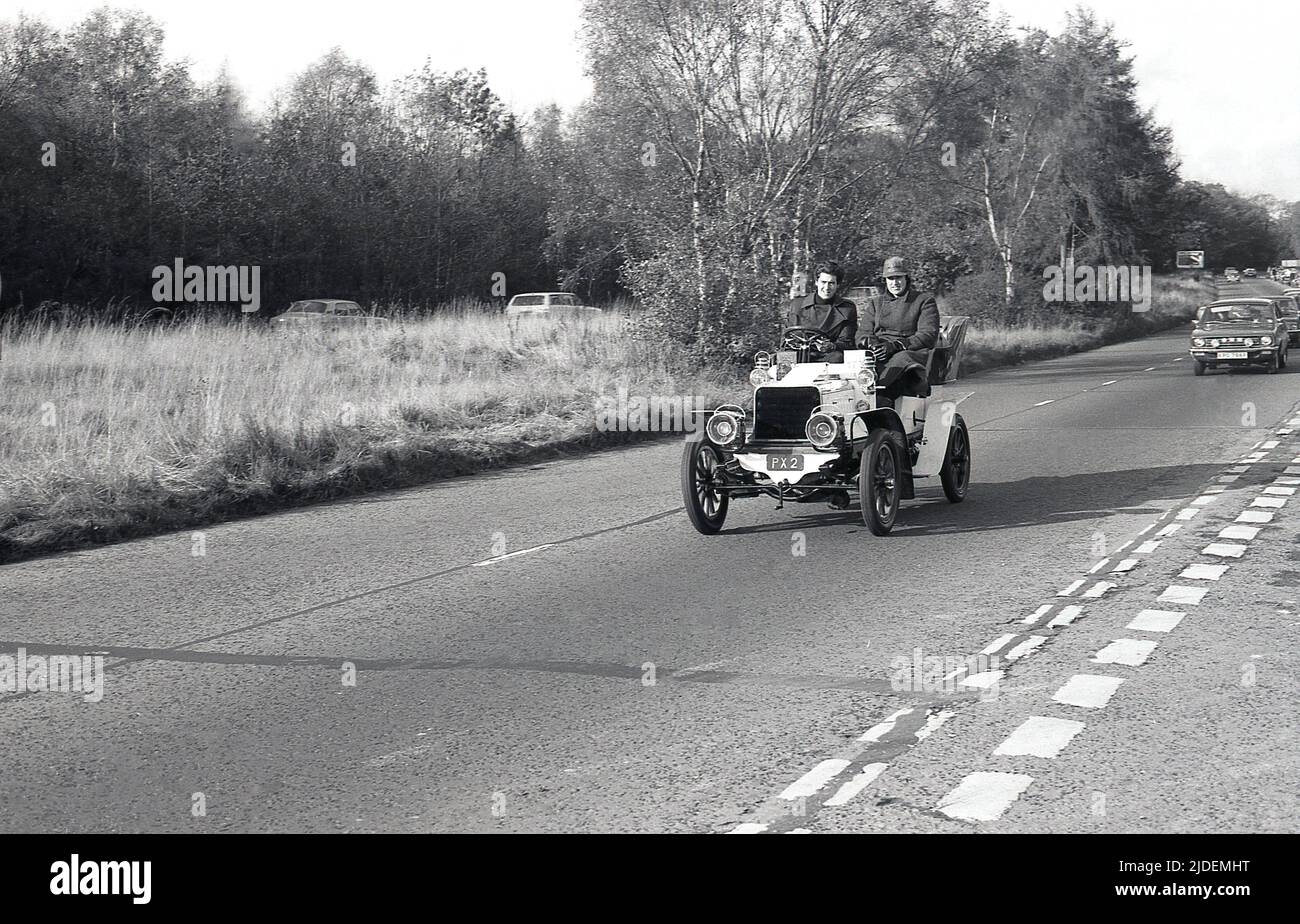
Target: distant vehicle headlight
x,y
757,377
1266,340
1198,341
822,429
724,429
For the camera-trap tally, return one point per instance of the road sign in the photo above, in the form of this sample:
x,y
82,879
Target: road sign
x,y
1291,263
1191,259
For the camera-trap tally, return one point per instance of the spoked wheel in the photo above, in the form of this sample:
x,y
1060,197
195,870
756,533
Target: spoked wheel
x,y
705,505
955,474
880,482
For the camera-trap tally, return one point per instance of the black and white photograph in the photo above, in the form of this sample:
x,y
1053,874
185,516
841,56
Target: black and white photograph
x,y
858,417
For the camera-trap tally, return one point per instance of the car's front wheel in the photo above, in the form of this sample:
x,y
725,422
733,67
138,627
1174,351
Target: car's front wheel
x,y
955,474
880,482
1198,367
1274,362
705,505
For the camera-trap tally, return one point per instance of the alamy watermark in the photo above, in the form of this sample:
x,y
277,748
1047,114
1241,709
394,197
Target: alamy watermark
x,y
24,673
181,283
923,673
1084,283
649,413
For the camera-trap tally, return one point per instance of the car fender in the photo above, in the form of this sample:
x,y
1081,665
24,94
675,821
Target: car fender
x,y
886,417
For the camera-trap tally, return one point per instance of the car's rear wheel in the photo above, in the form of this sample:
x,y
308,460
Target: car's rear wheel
x,y
955,473
1198,367
705,505
880,482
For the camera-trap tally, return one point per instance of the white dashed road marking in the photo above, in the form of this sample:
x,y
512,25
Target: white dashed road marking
x,y
1028,645
859,782
1130,652
1096,590
1147,547
749,827
1088,691
814,779
1067,615
983,680
1268,502
1071,588
1040,736
492,561
1224,550
984,796
1156,621
1239,532
1041,403
878,731
1203,572
1255,516
1169,530
933,722
1187,596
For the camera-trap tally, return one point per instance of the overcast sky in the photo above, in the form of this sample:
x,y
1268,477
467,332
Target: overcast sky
x,y
1220,74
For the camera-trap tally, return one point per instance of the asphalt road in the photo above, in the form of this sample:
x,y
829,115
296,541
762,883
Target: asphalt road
x,y
618,672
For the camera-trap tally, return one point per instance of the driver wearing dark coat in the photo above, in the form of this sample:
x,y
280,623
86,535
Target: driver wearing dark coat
x,y
835,317
900,328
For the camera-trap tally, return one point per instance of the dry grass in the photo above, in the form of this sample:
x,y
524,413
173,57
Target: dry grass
x,y
108,433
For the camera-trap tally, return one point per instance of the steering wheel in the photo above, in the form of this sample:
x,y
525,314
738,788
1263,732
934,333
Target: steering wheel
x,y
802,338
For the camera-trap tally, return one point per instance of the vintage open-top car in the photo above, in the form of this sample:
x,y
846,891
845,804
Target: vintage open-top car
x,y
817,432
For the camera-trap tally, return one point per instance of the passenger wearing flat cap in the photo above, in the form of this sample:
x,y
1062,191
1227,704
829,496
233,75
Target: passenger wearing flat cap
x,y
899,328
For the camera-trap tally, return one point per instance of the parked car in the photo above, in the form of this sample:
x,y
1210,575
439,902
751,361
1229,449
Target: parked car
x,y
326,314
547,303
818,432
1231,274
1239,332
859,294
1250,272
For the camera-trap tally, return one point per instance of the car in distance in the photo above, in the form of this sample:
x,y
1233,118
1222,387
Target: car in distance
x,y
547,303
1239,332
326,314
1231,274
1250,272
859,294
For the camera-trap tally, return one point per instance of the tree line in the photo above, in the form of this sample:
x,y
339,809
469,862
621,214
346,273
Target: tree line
x,y
728,145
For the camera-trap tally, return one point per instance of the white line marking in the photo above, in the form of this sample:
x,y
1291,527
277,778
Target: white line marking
x,y
1123,547
1067,615
1273,502
1188,596
1268,444
1130,652
1025,647
1071,589
1169,530
1186,513
1240,469
1111,382
1036,614
983,680
1145,529
1280,492
814,779
1097,567
798,831
984,796
1224,550
1203,572
749,827
1285,479
878,731
1127,564
1147,547
933,722
859,782
1149,369
1215,489
1239,532
997,643
1039,736
1255,516
1156,621
1088,691
1041,403
1227,479
493,561
1291,470
1203,500
1096,590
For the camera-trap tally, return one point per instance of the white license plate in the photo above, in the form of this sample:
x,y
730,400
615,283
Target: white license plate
x,y
785,463
1232,355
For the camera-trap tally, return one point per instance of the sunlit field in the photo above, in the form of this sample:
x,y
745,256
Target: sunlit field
x,y
108,432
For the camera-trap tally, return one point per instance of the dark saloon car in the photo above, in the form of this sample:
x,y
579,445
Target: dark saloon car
x,y
1239,332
